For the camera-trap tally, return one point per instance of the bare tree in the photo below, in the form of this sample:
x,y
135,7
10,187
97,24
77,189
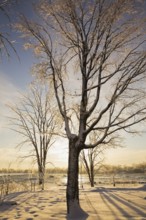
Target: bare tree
x,y
92,159
36,121
93,52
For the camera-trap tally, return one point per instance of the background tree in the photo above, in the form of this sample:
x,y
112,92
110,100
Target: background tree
x,y
36,121
93,158
93,53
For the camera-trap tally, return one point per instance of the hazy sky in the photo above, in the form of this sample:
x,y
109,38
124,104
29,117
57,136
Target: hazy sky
x,y
15,77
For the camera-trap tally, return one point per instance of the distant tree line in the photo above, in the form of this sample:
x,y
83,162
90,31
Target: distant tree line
x,y
135,168
48,170
107,169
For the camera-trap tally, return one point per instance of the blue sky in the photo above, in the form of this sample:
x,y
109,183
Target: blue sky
x,y
15,76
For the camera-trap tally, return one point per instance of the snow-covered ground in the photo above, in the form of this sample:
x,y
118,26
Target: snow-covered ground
x,y
98,203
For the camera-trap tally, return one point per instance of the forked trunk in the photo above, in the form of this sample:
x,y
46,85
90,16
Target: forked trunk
x,y
72,192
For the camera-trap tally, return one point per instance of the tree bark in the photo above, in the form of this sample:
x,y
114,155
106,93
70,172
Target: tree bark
x,y
92,181
41,178
72,191
92,176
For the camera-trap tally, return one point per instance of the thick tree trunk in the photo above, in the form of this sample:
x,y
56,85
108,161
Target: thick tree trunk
x,y
72,192
74,210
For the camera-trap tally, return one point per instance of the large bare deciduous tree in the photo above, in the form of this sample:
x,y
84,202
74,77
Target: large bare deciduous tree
x,y
93,53
35,119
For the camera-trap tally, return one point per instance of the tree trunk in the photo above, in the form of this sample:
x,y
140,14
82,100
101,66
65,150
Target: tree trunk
x,y
41,177
72,192
92,176
92,181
